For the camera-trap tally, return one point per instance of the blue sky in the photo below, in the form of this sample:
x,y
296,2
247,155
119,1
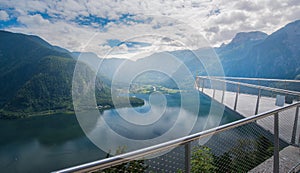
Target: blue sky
x,y
10,16
71,23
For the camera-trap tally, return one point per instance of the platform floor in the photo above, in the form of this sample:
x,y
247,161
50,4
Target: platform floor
x,y
289,157
246,106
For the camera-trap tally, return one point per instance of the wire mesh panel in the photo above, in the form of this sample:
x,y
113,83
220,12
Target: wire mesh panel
x,y
240,149
260,96
236,150
243,148
173,161
132,166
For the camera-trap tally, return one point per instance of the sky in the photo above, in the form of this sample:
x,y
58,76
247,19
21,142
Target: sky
x,y
101,25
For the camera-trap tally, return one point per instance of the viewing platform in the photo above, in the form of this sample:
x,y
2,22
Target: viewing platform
x,y
242,98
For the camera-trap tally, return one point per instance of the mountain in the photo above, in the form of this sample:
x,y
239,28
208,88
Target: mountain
x,y
156,69
36,77
236,51
105,67
273,56
89,58
19,58
244,38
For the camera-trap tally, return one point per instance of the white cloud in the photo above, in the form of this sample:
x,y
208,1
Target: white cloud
x,y
3,15
230,18
248,6
244,16
32,21
235,16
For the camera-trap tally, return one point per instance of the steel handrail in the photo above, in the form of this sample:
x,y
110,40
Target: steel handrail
x,y
257,79
138,154
253,86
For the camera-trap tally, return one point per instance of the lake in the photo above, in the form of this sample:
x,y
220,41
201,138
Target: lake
x,y
53,142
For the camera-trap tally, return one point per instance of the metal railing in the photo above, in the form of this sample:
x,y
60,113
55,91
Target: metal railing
x,y
223,85
286,84
254,79
187,141
218,83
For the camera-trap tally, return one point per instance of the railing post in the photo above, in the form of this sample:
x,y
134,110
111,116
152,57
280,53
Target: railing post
x,y
196,83
203,84
293,140
257,101
276,144
223,92
285,84
272,93
299,140
187,157
236,96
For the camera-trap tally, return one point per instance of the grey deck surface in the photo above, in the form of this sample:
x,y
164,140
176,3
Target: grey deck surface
x,y
288,158
246,106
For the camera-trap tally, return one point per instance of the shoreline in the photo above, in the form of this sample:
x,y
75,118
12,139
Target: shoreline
x,y
7,115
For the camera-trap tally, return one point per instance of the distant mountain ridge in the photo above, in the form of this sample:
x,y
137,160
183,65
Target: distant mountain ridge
x,y
276,56
246,37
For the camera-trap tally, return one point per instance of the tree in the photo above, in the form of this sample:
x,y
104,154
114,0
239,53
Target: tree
x,y
263,149
202,160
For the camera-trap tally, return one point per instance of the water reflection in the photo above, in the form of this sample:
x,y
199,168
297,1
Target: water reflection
x,y
44,144
113,131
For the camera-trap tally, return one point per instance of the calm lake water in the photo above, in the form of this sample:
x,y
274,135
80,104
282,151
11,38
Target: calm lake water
x,y
48,143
